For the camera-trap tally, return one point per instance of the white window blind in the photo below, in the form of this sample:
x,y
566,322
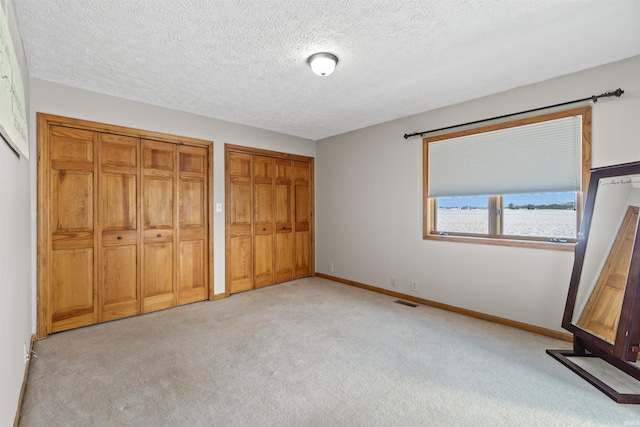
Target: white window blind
x,y
542,157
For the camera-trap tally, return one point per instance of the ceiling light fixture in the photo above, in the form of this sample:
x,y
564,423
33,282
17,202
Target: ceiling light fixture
x,y
322,63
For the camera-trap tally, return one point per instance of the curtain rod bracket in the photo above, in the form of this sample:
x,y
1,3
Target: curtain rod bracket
x,y
594,98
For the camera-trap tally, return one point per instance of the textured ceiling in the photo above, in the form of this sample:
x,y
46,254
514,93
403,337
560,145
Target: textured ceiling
x,y
245,60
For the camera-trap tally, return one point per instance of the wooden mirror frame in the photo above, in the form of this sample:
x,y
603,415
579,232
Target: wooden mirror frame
x,y
624,350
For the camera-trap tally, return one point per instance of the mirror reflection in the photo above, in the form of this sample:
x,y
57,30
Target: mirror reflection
x,y
608,256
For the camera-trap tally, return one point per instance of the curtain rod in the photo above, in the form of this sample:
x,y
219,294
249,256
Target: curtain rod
x,y
617,93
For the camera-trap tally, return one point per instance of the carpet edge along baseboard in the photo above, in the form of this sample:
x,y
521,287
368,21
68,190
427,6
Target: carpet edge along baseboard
x,y
478,315
23,389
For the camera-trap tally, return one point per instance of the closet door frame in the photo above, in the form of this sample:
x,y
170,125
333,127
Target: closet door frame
x,y
231,148
44,123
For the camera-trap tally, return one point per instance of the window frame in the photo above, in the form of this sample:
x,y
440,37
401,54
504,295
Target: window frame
x,y
495,202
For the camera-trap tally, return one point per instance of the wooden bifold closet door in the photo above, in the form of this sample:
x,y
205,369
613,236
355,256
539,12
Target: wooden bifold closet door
x,y
118,222
123,222
193,206
269,218
159,169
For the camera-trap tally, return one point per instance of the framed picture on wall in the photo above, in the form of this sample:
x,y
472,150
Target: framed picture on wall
x,y
13,112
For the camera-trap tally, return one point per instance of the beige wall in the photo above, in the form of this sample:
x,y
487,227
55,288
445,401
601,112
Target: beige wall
x,y
369,204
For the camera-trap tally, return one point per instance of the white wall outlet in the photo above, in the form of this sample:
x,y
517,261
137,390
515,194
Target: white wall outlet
x,y
414,285
330,267
26,352
393,281
218,207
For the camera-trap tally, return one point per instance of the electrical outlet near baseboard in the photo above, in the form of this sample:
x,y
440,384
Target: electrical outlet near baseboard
x,y
414,285
392,281
330,267
26,353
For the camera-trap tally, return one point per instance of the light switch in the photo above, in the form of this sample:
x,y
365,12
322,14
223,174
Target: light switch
x,y
218,207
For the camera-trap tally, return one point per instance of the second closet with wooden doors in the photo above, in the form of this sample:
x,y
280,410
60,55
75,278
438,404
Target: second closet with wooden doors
x,y
269,221
123,222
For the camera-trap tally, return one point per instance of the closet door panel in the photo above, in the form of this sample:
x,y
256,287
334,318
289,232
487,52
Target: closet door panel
x,y
72,299
119,201
284,256
192,203
302,204
72,196
158,202
193,225
159,211
119,153
71,148
239,271
158,157
119,284
193,160
71,229
239,244
119,278
302,254
192,268
263,257
157,285
263,194
302,216
284,240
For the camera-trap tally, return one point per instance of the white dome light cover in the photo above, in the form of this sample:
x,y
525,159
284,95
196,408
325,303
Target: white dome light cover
x,y
322,63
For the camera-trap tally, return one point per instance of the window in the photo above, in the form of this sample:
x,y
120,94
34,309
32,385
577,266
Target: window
x,y
517,183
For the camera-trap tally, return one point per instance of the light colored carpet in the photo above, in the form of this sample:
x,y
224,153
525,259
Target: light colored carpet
x,y
310,352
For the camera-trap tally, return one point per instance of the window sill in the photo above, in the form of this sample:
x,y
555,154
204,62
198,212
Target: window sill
x,y
534,244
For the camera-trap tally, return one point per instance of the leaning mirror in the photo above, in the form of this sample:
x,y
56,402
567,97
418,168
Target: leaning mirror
x,y
602,309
